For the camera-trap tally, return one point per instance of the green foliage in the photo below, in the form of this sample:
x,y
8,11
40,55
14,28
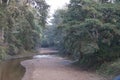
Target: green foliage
x,y
89,30
12,50
21,25
110,69
3,52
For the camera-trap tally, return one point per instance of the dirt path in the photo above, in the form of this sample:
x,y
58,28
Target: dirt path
x,y
54,68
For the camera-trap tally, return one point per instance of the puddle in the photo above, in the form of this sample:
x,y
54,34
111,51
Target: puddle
x,y
42,56
11,70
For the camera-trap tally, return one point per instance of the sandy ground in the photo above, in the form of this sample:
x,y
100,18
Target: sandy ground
x,y
54,68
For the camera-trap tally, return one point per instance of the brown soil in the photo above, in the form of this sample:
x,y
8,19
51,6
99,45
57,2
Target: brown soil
x,y
55,68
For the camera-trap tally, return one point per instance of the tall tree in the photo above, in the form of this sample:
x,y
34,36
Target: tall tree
x,y
23,23
91,29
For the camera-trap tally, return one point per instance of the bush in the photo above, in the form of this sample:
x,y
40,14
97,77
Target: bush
x,y
2,52
110,69
12,50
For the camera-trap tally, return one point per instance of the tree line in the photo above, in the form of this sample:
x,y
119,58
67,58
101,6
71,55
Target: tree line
x,y
88,31
21,23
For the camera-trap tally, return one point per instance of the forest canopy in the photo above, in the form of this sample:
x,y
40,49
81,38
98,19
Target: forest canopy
x,y
87,30
21,23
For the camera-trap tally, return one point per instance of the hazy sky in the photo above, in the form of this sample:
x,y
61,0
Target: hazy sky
x,y
55,4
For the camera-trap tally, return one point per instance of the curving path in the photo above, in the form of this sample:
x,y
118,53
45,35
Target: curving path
x,y
54,68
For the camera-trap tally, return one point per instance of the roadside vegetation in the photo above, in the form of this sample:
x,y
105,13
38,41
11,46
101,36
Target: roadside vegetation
x,y
21,24
88,31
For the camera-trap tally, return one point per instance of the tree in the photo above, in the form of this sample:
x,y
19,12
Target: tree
x,y
23,25
90,30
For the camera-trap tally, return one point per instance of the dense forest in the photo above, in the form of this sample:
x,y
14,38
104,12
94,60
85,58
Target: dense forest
x,y
88,31
21,23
